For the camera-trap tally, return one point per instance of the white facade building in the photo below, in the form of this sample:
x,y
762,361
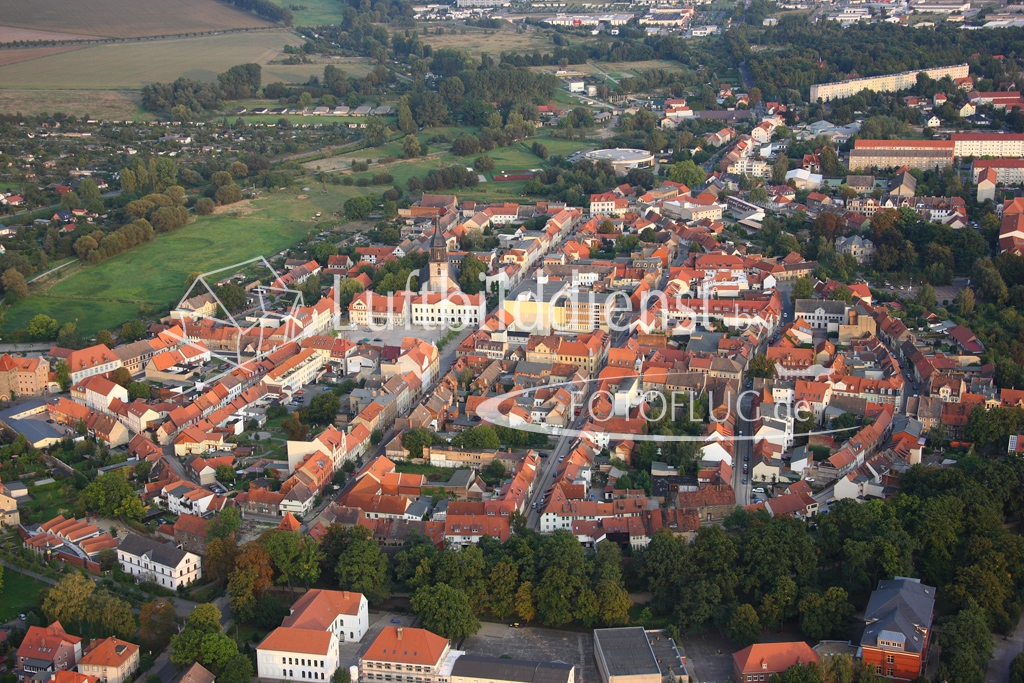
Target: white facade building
x,y
164,565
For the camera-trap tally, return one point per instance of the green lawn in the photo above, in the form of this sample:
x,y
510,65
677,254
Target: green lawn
x,y
440,474
318,12
46,504
19,594
108,294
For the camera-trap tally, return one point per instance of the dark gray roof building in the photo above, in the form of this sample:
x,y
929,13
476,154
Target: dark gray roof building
x,y
167,555
625,653
899,611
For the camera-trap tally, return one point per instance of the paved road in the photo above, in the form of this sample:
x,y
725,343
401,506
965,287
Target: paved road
x,y
549,467
51,270
998,670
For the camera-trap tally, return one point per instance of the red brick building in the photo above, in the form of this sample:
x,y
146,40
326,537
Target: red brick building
x,y
898,628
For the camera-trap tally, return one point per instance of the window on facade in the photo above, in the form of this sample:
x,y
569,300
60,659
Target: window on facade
x,y
889,659
890,671
878,668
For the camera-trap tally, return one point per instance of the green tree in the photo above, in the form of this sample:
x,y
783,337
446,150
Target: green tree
x,y
15,287
63,372
966,644
42,327
445,611
111,615
224,524
69,600
157,623
802,288
363,567
411,147
778,604
205,206
744,626
687,173
111,495
323,409
526,606
926,297
469,277
358,208
779,170
501,589
762,366
823,615
376,131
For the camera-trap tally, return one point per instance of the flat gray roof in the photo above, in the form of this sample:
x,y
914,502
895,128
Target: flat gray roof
x,y
626,651
512,670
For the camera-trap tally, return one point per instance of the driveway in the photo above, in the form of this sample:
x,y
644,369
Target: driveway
x,y
998,670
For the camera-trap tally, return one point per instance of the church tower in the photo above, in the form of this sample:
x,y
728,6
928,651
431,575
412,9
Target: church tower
x,y
439,279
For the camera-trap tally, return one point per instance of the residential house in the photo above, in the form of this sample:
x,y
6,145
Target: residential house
x,y
47,650
111,660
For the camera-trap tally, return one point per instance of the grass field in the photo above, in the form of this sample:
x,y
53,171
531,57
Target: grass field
x,y
19,592
108,294
127,18
318,12
132,65
100,104
492,41
300,73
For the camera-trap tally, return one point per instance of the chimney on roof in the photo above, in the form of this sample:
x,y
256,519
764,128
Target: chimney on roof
x,y
399,631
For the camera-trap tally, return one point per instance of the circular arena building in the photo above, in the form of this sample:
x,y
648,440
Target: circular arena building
x,y
623,159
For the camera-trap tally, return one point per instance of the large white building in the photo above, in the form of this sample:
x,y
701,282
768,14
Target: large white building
x,y
343,613
297,654
164,565
884,83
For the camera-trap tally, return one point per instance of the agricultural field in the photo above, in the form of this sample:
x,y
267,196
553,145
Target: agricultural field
x,y
127,18
132,65
154,274
99,104
9,34
493,41
13,56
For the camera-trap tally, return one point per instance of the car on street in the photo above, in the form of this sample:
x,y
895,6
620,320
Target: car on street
x,y
746,457
744,480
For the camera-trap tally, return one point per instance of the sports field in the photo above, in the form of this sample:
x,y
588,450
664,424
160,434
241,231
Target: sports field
x,y
154,274
132,65
127,18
